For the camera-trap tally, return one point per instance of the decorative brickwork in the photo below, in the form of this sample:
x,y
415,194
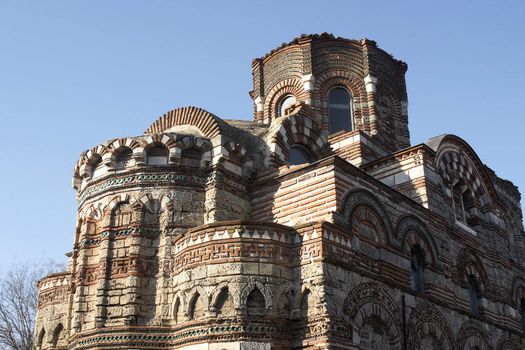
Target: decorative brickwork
x,y
212,234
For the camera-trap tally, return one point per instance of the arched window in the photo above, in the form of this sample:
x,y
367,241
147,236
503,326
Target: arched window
x,y
284,104
123,158
299,155
191,157
473,294
458,196
157,155
417,267
339,110
224,304
256,304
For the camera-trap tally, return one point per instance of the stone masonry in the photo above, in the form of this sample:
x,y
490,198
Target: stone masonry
x,y
281,233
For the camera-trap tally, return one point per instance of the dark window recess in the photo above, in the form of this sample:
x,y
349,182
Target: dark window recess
x,y
158,155
339,110
417,267
299,155
191,157
123,158
473,295
522,306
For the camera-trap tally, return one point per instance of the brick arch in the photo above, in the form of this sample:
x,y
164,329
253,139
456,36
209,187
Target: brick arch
x,y
411,230
231,148
355,198
208,124
456,159
469,263
507,343
290,86
123,142
426,320
156,203
470,335
268,297
123,198
298,130
371,301
182,306
454,165
185,142
157,139
354,84
84,165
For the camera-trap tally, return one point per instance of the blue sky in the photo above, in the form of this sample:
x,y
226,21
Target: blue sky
x,y
76,73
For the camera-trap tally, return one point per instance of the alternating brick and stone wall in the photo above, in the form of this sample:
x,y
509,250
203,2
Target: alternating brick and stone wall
x,y
210,234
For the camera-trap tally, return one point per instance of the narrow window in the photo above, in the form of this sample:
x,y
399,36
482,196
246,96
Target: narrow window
x,y
157,155
197,307
286,102
417,267
299,155
458,191
339,110
473,294
123,158
522,306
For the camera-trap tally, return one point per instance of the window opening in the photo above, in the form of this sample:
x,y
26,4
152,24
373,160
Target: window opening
x,y
417,266
191,157
286,103
458,195
299,155
157,155
339,110
473,294
123,158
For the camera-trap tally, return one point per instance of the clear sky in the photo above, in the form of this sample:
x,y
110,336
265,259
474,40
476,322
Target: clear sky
x,y
76,73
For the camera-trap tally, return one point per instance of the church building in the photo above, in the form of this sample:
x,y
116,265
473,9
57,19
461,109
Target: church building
x,y
317,225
